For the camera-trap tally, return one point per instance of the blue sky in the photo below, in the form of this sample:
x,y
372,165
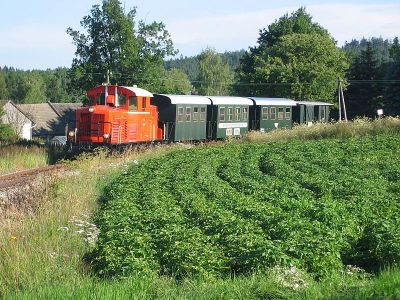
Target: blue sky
x,y
33,32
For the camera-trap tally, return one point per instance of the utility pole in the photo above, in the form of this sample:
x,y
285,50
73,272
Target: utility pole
x,y
341,102
109,73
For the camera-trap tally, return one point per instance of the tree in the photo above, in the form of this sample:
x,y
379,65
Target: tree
x,y
3,86
133,52
6,131
392,90
294,58
174,82
364,95
35,88
57,82
215,76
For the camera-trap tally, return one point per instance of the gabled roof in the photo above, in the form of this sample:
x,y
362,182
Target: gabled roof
x,y
186,99
273,101
226,100
4,102
67,111
50,118
46,119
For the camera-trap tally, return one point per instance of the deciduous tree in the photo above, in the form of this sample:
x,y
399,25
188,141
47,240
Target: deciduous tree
x,y
215,76
294,58
133,51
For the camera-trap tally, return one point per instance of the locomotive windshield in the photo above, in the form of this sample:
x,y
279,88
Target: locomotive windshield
x,y
101,100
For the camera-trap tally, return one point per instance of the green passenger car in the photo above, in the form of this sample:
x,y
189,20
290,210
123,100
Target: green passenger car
x,y
228,117
271,113
183,117
309,112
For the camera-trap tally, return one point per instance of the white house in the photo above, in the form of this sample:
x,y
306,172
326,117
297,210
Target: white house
x,y
19,120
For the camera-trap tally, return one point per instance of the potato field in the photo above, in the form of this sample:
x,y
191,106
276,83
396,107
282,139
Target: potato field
x,y
241,208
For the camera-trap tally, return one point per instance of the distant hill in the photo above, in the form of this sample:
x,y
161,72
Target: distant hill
x,y
190,64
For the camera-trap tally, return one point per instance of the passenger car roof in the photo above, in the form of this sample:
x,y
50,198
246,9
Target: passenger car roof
x,y
226,100
273,101
186,99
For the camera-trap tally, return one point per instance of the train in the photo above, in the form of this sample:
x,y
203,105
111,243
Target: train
x,y
117,115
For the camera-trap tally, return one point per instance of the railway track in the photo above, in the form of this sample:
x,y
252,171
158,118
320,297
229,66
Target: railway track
x,y
22,177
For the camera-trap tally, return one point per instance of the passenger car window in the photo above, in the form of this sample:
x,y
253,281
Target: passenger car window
x,y
245,113
288,113
230,113
237,114
202,113
280,113
272,113
222,113
188,114
264,113
180,114
195,114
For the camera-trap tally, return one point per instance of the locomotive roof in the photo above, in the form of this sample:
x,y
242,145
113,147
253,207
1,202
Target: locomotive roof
x,y
274,101
313,103
138,91
226,100
186,99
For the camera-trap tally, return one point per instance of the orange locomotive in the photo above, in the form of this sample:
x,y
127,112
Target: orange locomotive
x,y
116,115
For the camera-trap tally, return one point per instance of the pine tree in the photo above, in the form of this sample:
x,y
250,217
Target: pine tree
x,y
392,90
364,94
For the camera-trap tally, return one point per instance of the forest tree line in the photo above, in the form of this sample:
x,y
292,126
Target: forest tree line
x,y
294,57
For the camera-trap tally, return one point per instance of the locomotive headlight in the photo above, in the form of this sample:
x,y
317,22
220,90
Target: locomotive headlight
x,y
91,109
71,133
106,135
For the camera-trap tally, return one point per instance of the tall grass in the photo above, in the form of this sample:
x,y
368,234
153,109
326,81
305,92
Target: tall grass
x,y
256,286
47,246
41,252
28,155
18,157
356,128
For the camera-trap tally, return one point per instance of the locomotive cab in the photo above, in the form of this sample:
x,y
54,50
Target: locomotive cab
x,y
116,115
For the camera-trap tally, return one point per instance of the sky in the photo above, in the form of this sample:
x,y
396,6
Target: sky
x,y
33,33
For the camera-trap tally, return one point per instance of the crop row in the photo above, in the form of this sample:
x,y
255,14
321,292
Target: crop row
x,y
239,208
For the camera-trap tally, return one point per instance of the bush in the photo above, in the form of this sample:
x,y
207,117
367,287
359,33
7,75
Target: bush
x,y
7,134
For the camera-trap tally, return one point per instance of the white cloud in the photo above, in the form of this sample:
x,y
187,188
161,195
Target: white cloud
x,y
236,31
348,21
34,37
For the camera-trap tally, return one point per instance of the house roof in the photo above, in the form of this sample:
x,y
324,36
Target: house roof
x,y
50,118
4,102
66,110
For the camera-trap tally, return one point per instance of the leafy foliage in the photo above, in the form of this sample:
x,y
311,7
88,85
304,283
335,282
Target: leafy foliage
x,y
215,75
374,70
7,134
241,208
36,86
294,58
190,65
174,81
134,52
